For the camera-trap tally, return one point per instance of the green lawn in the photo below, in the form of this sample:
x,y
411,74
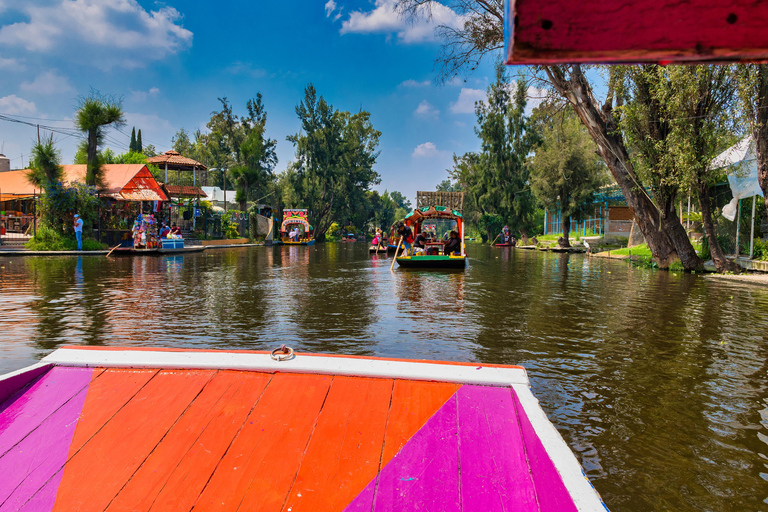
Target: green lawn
x,y
641,250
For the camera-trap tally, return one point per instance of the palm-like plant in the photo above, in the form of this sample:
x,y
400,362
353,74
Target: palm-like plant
x,y
45,165
94,113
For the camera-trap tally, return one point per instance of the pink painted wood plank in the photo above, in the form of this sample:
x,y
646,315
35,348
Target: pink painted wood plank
x,y
38,402
641,30
494,470
550,490
32,463
14,386
424,475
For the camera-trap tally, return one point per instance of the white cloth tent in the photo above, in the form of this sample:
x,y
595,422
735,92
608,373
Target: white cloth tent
x,y
741,164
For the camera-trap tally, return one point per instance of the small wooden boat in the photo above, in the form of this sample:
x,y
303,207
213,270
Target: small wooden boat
x,y
292,219
508,244
415,219
377,249
166,246
163,429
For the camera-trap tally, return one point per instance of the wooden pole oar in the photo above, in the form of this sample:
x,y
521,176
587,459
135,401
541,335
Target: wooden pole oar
x,y
110,252
497,237
392,266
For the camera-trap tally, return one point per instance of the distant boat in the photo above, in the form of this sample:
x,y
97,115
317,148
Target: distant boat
x,y
292,219
434,258
133,429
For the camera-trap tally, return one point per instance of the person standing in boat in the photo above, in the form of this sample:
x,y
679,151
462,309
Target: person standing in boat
x,y
407,236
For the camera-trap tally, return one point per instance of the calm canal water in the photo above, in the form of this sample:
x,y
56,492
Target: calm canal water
x,y
656,380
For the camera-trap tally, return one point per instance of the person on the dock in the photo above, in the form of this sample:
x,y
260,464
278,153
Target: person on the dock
x,y
453,245
420,243
164,230
407,236
79,232
175,231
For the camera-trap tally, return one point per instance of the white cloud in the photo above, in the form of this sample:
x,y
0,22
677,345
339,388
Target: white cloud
x,y
384,19
140,96
48,83
414,83
535,97
13,105
465,104
425,109
246,68
102,32
330,6
428,150
9,63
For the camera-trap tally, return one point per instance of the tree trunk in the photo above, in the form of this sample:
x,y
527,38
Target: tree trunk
x,y
566,231
760,130
91,173
722,263
604,131
674,227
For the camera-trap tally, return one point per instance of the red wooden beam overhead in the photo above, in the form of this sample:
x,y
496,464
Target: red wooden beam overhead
x,y
666,31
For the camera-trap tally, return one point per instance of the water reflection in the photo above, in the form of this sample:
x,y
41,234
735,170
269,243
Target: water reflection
x,y
656,380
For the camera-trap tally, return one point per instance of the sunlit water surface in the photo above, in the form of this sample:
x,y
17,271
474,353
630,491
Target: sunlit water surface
x,y
656,380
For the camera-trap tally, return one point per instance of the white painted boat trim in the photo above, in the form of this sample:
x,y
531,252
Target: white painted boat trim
x,y
351,366
584,495
26,369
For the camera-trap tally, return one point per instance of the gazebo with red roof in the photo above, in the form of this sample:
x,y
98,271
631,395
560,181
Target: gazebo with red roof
x,y
174,161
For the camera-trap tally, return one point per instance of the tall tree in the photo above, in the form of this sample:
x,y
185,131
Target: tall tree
x,y
400,200
257,152
132,145
139,144
335,155
95,113
45,165
566,171
501,183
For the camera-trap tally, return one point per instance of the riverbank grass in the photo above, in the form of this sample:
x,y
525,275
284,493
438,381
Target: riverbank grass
x,y
47,239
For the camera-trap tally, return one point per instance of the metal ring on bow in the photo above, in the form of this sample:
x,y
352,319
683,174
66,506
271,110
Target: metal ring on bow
x,y
282,353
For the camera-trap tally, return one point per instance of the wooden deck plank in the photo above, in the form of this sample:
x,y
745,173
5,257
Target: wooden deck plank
x,y
550,489
260,467
94,475
25,412
175,473
495,476
424,475
33,461
413,403
345,451
107,394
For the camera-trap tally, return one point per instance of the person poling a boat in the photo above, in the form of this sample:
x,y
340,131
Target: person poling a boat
x,y
407,235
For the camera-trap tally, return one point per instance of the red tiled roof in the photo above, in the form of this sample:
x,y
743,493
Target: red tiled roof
x,y
175,160
184,191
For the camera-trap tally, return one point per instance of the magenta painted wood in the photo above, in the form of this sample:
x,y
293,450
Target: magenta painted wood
x,y
550,490
424,475
494,470
32,462
39,401
44,499
15,385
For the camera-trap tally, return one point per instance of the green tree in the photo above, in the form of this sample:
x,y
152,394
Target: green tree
x,y
448,186
335,155
139,145
95,113
400,200
132,145
45,165
566,171
257,153
502,173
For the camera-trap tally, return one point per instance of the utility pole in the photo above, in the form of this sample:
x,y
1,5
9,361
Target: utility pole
x,y
38,134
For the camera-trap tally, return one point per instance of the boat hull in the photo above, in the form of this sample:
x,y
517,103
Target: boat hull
x,y
308,242
434,261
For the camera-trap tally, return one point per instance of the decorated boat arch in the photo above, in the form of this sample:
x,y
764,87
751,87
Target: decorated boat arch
x,y
296,219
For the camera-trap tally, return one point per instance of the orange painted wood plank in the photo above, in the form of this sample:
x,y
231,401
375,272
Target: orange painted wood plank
x,y
260,467
344,453
413,403
95,474
108,392
175,473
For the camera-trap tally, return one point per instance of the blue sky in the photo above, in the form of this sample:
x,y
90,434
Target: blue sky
x,y
170,61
